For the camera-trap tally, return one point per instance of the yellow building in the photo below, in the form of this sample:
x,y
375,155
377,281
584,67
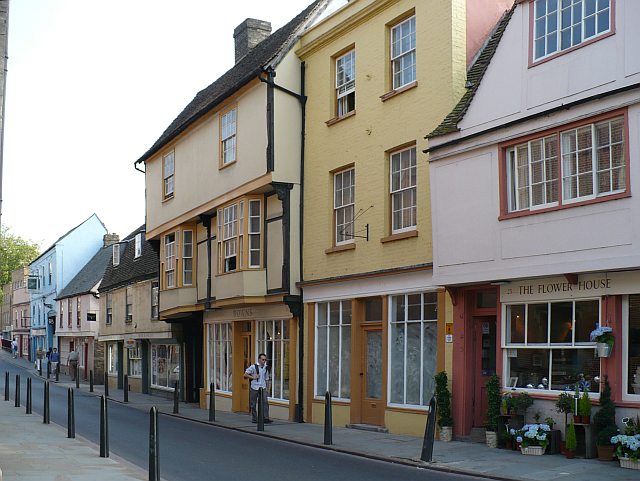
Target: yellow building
x,y
379,73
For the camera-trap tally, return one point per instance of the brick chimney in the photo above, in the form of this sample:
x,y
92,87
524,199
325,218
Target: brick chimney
x,y
110,239
249,34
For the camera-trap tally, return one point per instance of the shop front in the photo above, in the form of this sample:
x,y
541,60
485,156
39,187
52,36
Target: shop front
x,y
234,338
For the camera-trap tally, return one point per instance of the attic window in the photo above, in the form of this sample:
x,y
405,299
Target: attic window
x,y
138,245
116,254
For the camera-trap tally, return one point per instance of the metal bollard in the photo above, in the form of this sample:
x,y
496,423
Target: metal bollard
x,y
17,404
126,388
71,416
260,409
104,428
212,403
154,446
46,411
58,372
6,386
175,398
77,378
91,380
106,385
429,433
40,367
29,403
48,370
328,420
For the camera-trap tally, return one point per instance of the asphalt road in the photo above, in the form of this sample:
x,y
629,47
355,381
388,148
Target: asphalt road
x,y
192,451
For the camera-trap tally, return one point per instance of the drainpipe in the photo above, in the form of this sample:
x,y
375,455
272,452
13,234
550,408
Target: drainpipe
x,y
270,120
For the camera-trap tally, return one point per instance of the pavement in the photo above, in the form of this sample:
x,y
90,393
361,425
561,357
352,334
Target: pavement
x,y
17,461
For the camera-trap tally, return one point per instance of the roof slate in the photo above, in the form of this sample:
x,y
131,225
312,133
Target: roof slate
x,y
474,78
88,276
247,69
130,269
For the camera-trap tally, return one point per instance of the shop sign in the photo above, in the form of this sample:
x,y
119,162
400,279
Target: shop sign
x,y
448,332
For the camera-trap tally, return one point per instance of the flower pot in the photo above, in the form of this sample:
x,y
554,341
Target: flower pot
x,y
508,444
604,349
533,450
586,419
446,433
629,464
605,453
492,439
577,419
563,450
570,454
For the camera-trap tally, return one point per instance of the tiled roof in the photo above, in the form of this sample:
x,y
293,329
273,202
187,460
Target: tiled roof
x,y
88,276
247,69
474,77
130,269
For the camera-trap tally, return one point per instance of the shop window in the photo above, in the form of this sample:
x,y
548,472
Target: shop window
x,y
135,360
273,340
109,317
548,347
112,358
165,365
412,348
333,349
221,356
632,346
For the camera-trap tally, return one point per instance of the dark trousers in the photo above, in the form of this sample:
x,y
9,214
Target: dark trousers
x,y
73,367
253,401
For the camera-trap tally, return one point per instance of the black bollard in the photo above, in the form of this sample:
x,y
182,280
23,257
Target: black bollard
x,y
46,412
260,409
212,403
71,416
91,380
6,386
48,369
126,388
328,420
58,372
104,428
29,403
429,433
154,446
175,398
40,367
106,385
77,378
17,404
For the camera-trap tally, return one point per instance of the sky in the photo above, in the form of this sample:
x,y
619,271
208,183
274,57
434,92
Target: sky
x,y
91,85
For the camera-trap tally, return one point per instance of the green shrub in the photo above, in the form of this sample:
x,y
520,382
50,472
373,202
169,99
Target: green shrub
x,y
494,400
585,405
570,439
443,398
604,421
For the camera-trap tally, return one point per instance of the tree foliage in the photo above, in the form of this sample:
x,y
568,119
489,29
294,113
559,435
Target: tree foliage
x,y
15,252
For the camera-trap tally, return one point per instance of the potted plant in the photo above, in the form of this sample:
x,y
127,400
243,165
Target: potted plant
x,y
564,404
604,424
571,443
627,450
584,408
522,402
443,398
550,422
494,400
577,410
533,439
603,337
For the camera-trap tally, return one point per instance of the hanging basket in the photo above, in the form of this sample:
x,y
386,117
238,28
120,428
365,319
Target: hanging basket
x,y
604,349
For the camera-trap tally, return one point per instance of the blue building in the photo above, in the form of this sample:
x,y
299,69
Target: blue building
x,y
53,270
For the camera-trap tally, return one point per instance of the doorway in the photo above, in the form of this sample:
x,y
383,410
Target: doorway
x,y
484,362
246,343
372,366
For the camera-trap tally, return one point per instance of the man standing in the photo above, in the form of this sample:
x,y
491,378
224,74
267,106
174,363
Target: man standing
x,y
14,348
260,378
54,359
39,358
73,364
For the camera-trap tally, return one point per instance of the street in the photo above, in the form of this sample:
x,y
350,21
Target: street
x,y
195,451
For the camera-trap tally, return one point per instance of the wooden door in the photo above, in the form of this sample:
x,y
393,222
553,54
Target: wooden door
x,y
484,364
247,359
371,375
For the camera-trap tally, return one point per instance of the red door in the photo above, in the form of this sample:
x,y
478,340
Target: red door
x,y
485,365
86,361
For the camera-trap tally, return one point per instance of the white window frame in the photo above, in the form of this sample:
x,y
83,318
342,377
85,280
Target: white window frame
x,y
128,310
109,303
138,245
170,260
134,360
397,194
154,347
345,83
116,254
155,299
228,131
112,358
254,232
230,235
221,335
553,43
340,370
625,353
279,341
424,403
187,257
344,200
78,311
168,175
409,54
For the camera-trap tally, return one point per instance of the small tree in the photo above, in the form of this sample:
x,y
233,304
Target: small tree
x,y
564,404
494,400
604,421
443,398
571,443
15,252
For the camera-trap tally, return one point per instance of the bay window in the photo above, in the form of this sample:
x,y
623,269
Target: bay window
x,y
169,260
254,233
187,258
333,349
412,348
548,347
273,340
221,356
240,236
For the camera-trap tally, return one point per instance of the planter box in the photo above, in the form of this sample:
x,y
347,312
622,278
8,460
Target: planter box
x,y
628,464
533,450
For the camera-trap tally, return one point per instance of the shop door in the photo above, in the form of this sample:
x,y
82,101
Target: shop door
x,y
247,360
485,365
371,362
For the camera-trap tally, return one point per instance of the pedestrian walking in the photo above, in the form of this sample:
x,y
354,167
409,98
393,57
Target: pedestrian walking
x,y
39,358
54,359
260,378
72,361
14,348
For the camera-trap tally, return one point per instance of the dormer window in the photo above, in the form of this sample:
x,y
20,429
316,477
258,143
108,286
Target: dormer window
x,y
116,254
138,245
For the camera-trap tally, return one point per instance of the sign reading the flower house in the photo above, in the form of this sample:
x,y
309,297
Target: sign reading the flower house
x,y
553,288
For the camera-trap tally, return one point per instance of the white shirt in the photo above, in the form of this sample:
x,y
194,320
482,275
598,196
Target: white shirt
x,y
263,374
